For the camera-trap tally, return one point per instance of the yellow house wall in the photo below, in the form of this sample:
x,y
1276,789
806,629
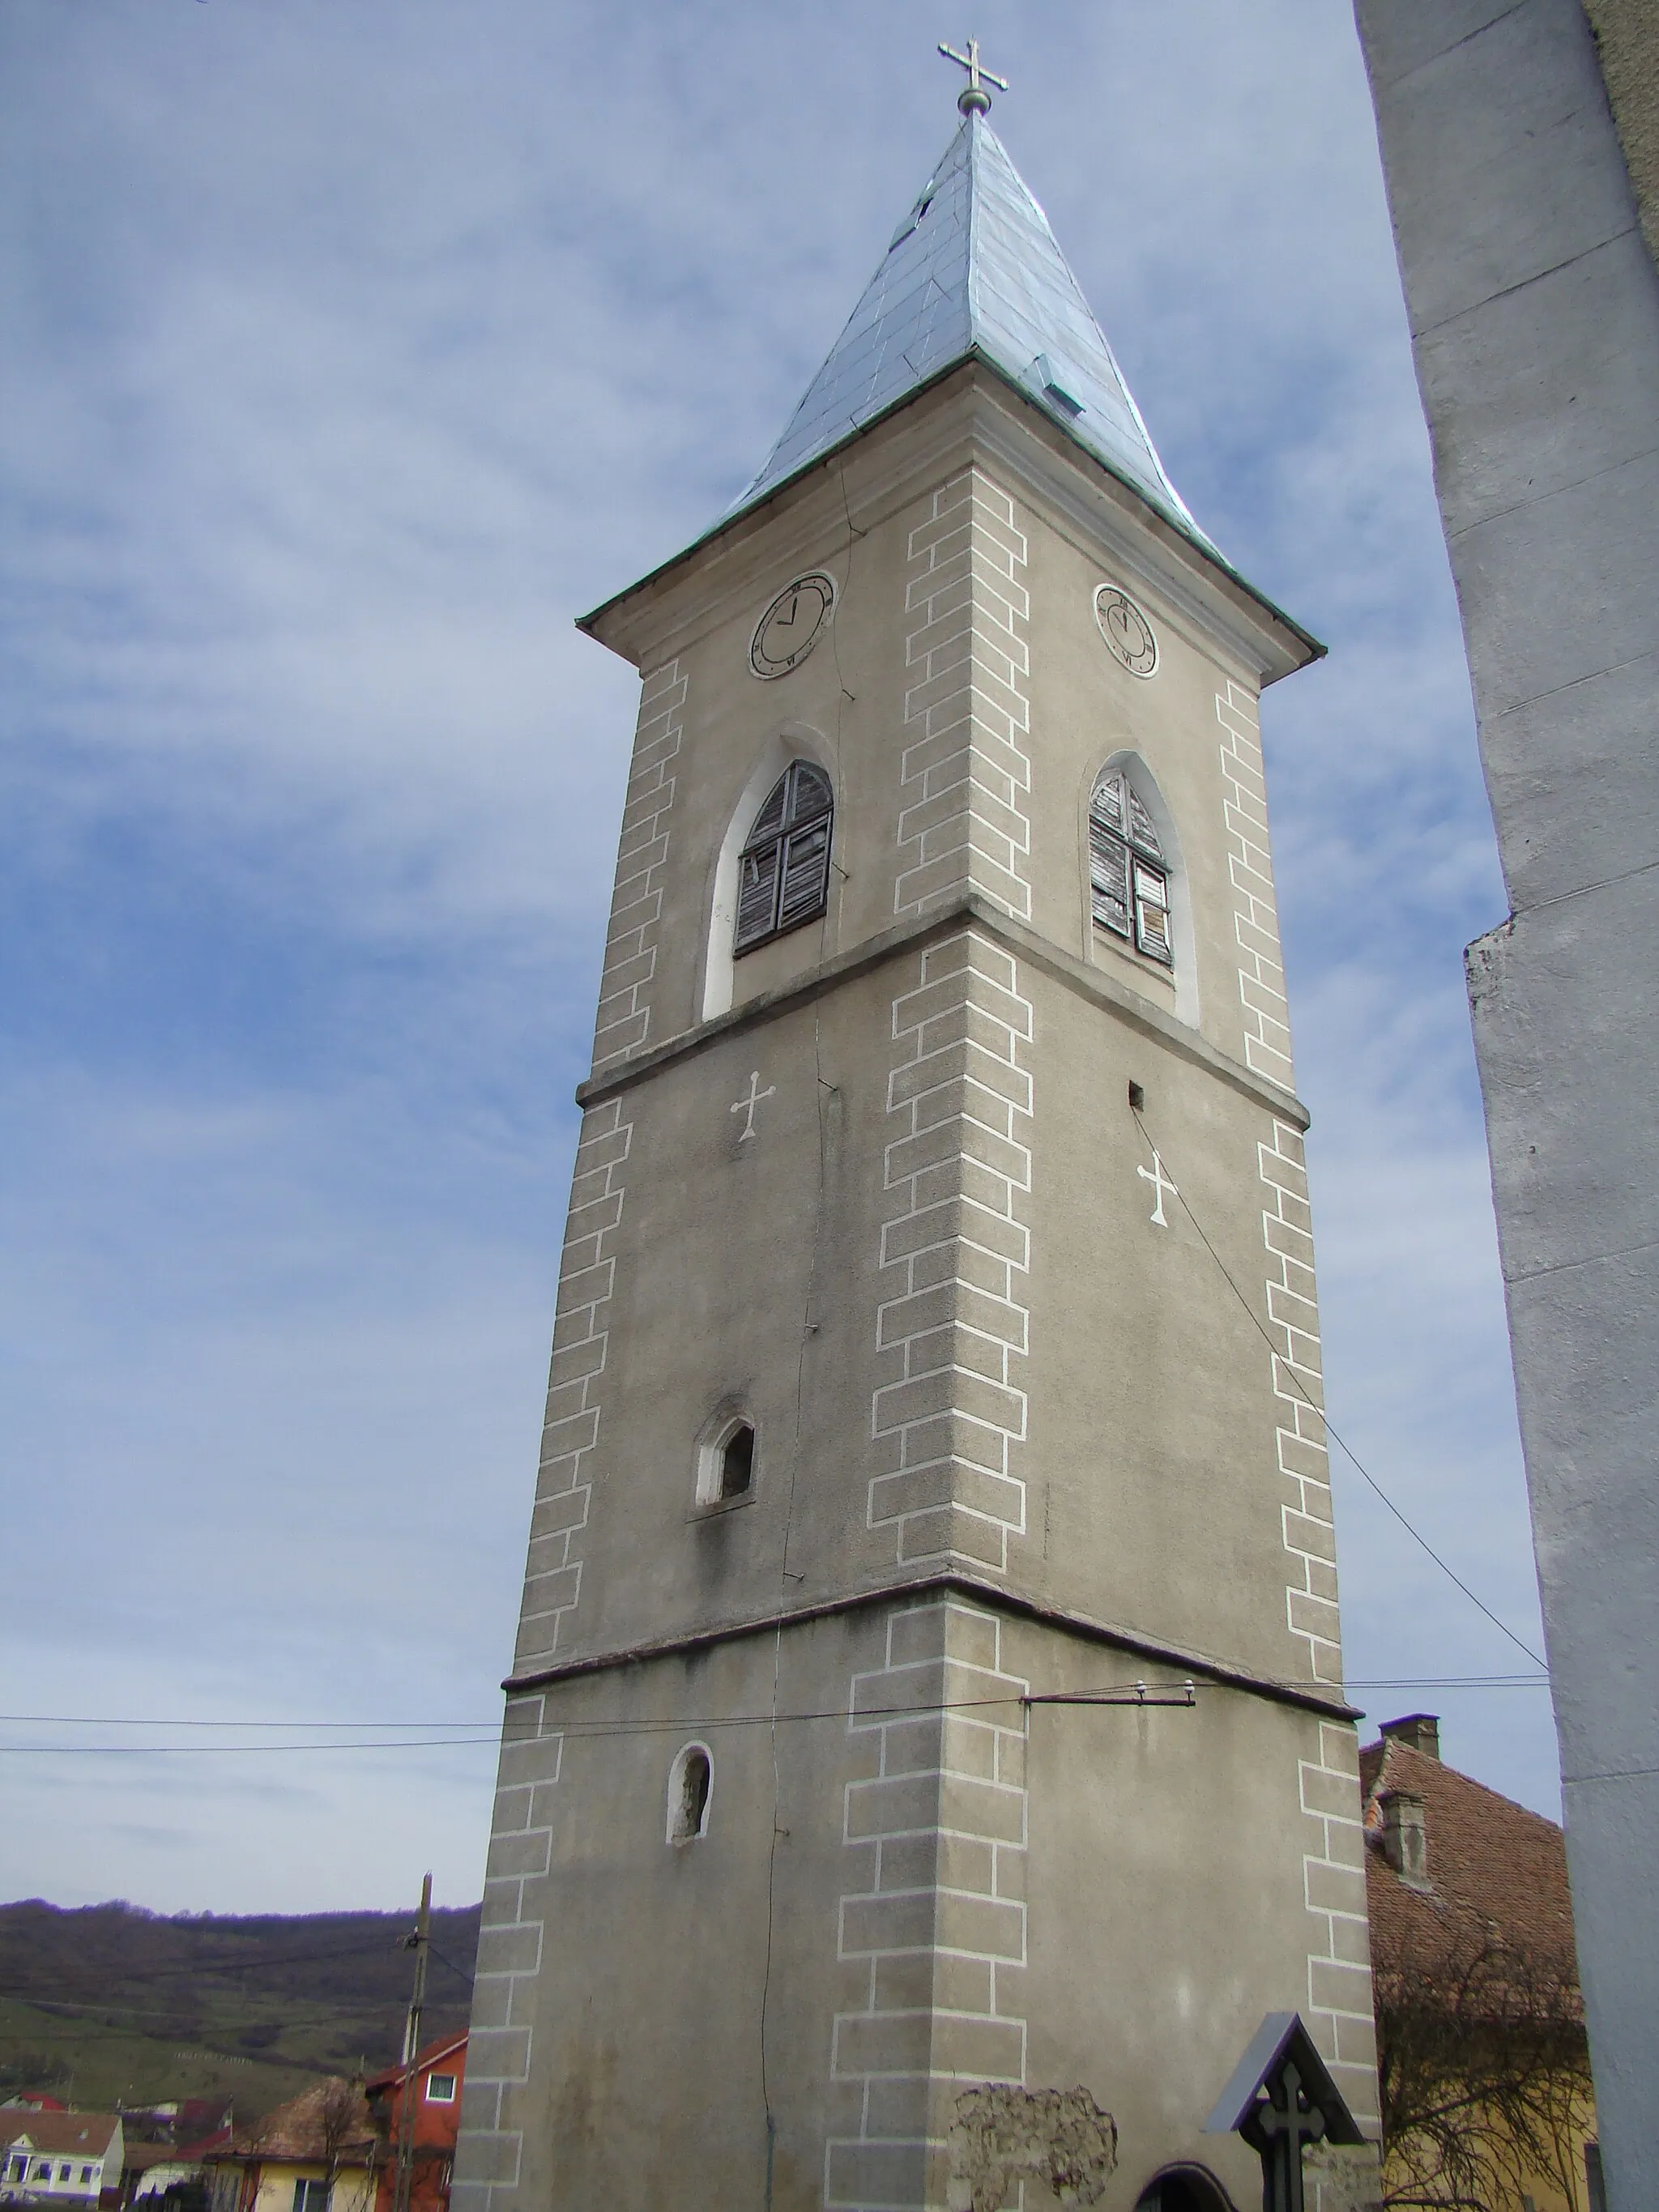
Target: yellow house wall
x,y
353,2189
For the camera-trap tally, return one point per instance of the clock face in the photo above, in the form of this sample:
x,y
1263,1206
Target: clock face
x,y
1127,633
792,625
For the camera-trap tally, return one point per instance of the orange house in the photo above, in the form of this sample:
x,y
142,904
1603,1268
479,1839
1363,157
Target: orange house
x,y
437,2072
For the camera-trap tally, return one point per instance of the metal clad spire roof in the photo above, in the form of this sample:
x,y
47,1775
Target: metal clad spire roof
x,y
975,269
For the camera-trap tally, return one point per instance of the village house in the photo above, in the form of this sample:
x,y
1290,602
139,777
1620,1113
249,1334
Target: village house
x,y
167,2147
59,2157
1482,2058
319,2153
439,2071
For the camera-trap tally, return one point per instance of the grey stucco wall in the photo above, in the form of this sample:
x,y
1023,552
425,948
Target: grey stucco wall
x,y
1535,314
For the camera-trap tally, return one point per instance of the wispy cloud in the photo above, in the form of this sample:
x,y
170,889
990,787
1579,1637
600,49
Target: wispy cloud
x,y
349,354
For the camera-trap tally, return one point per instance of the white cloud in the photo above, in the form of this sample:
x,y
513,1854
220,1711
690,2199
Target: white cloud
x,y
350,354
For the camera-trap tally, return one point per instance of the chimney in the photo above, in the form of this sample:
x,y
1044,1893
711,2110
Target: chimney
x,y
1405,1837
1417,1731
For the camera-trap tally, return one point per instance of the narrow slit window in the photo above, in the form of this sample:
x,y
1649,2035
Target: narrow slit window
x,y
783,872
689,1786
1128,876
737,1462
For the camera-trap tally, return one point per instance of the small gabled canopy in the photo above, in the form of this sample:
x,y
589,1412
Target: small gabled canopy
x,y
975,271
1281,2039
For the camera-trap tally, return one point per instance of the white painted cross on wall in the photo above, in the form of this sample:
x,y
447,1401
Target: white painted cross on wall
x,y
746,1106
1160,1182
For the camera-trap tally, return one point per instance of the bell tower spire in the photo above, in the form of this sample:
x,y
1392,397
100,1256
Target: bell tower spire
x,y
902,1423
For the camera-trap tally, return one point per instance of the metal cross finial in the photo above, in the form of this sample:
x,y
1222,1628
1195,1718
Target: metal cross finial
x,y
972,99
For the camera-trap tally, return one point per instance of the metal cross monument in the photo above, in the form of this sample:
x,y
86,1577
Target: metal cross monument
x,y
1281,2098
972,99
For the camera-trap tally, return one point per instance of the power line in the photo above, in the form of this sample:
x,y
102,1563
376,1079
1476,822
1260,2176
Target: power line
x,y
125,1720
1282,1359
678,1723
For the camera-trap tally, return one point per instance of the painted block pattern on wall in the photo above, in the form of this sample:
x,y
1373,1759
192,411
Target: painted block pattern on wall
x,y
510,1938
1339,2009
581,1339
1298,1386
965,771
932,1925
623,1022
952,1321
1267,1016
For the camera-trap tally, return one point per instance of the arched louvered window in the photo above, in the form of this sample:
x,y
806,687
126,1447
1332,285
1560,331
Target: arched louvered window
x,y
783,874
1128,876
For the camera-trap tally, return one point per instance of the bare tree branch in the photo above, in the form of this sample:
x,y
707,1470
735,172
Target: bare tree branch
x,y
1485,2075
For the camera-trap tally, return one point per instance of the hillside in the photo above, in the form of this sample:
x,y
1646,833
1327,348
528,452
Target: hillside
x,y
109,2000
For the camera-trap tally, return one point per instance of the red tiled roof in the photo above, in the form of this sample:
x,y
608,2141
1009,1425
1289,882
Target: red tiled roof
x,y
1496,1873
66,2134
141,2156
297,2132
428,2056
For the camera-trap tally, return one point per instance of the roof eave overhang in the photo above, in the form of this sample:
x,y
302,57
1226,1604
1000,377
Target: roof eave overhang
x,y
1298,648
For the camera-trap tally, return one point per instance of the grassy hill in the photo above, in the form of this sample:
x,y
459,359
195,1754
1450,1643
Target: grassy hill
x,y
110,2001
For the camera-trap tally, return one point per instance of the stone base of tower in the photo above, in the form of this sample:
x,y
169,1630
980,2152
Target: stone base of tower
x,y
913,1884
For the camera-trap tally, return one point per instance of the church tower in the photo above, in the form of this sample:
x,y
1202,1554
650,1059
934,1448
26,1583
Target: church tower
x,y
936,1344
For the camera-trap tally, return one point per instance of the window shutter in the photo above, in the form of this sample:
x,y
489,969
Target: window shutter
x,y
1152,911
783,873
1141,830
1107,807
812,794
806,888
1108,879
769,820
1109,859
757,894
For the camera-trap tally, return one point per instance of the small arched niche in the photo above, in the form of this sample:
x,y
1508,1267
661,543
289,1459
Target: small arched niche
x,y
691,1788
725,1458
793,744
1136,894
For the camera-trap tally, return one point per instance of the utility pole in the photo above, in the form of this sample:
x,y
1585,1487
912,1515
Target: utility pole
x,y
420,1942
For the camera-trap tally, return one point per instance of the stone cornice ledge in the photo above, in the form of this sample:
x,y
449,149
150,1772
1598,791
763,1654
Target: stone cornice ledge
x,y
1222,1672
1076,974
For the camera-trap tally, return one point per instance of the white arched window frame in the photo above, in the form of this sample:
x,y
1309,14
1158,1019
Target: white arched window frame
x,y
795,742
726,1451
1129,870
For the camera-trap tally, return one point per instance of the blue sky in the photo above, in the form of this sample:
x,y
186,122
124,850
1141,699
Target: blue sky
x,y
349,349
